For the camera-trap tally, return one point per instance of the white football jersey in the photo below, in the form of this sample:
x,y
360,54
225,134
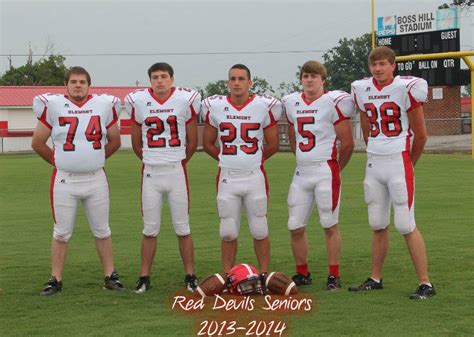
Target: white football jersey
x,y
163,123
387,110
241,129
313,123
78,132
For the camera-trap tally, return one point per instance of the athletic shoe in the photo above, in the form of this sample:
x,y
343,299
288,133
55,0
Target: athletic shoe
x,y
112,282
423,292
333,283
143,284
191,282
369,284
301,280
52,287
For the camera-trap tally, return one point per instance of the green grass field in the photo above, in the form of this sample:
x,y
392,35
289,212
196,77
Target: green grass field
x,y
445,216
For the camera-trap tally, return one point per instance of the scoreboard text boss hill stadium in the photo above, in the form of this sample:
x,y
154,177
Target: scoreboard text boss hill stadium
x,y
415,22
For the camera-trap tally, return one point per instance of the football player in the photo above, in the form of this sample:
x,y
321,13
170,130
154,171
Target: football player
x,y
164,137
84,133
392,121
241,122
318,121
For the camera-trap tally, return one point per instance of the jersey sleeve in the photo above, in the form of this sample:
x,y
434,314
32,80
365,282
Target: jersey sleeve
x,y
417,92
40,109
130,108
115,107
194,106
206,112
285,101
274,110
277,110
344,106
354,95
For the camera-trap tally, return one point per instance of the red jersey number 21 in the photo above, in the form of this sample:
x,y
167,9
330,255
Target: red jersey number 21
x,y
157,127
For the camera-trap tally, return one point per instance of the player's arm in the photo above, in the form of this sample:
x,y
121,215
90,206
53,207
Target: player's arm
x,y
292,137
113,140
38,143
209,141
137,141
344,134
417,124
364,125
191,138
272,141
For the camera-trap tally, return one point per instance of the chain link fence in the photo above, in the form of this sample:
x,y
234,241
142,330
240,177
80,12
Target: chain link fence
x,y
19,140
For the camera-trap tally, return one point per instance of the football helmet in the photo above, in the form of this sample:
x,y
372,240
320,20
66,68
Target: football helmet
x,y
243,279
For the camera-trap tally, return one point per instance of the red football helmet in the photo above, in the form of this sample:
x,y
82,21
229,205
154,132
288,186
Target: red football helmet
x,y
244,280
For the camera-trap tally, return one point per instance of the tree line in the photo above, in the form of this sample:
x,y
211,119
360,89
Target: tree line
x,y
345,63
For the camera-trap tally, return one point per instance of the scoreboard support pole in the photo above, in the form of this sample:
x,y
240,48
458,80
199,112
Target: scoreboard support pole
x,y
465,55
373,23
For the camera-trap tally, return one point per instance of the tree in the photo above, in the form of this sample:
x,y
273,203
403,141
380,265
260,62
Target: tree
x,y
214,88
46,71
347,62
260,86
467,90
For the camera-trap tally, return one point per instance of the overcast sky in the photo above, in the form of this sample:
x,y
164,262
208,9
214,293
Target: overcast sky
x,y
200,39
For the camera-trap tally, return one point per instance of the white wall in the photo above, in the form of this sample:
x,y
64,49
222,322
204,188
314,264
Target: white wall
x,y
21,119
23,144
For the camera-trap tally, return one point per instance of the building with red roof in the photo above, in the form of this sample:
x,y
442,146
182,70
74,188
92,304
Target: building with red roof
x,y
16,115
17,120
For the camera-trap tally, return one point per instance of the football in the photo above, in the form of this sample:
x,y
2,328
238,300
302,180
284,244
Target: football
x,y
280,284
212,285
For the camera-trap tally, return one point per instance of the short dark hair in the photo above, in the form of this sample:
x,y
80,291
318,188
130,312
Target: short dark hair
x,y
161,66
382,53
77,71
242,67
314,67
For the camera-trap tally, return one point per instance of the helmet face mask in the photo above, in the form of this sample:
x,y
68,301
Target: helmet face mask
x,y
244,280
251,285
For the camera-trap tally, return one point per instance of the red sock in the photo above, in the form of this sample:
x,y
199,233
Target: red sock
x,y
334,270
302,269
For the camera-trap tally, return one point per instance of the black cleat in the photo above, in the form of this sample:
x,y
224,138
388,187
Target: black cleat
x,y
142,285
423,292
301,280
191,282
369,284
52,287
112,282
333,283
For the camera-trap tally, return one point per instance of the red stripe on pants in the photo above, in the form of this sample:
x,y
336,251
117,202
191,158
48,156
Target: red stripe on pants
x,y
267,187
336,182
141,190
409,177
51,192
217,178
183,164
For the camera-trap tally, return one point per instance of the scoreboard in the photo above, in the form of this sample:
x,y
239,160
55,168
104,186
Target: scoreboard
x,y
437,72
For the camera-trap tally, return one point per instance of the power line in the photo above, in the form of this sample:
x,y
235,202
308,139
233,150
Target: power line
x,y
182,54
